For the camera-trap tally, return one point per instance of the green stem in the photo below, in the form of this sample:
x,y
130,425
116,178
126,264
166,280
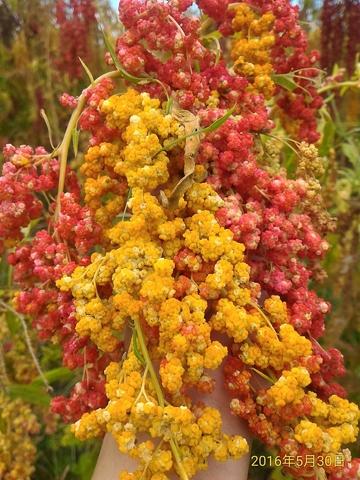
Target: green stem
x,y
149,364
159,394
63,149
331,86
263,375
253,304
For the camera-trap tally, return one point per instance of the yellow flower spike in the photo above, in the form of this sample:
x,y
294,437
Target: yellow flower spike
x,y
214,355
179,344
131,363
171,229
251,48
205,236
320,408
161,461
112,371
179,464
148,127
119,108
119,409
310,434
191,433
129,476
125,441
289,387
171,375
195,303
221,452
253,355
159,476
145,451
341,410
237,446
210,421
204,449
222,276
242,272
88,426
294,344
239,296
201,196
230,319
276,309
104,192
234,252
336,436
195,364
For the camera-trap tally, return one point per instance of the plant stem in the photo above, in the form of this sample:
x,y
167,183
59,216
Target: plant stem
x,y
332,86
63,149
253,304
149,364
28,344
263,375
159,394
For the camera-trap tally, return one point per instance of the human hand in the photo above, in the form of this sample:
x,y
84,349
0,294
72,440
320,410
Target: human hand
x,y
111,462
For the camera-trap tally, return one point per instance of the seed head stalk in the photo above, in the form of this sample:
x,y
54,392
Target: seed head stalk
x,y
63,149
159,394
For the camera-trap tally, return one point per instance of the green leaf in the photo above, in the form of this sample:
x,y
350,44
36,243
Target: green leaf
x,y
212,35
169,105
33,394
137,352
128,76
118,335
75,140
85,465
87,70
61,373
327,138
214,126
285,81
277,474
46,120
169,99
12,322
351,152
219,122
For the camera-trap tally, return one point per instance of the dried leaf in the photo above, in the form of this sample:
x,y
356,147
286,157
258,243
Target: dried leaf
x,y
179,191
192,143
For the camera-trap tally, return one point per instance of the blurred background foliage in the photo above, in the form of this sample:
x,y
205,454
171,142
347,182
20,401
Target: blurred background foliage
x,y
40,45
40,42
